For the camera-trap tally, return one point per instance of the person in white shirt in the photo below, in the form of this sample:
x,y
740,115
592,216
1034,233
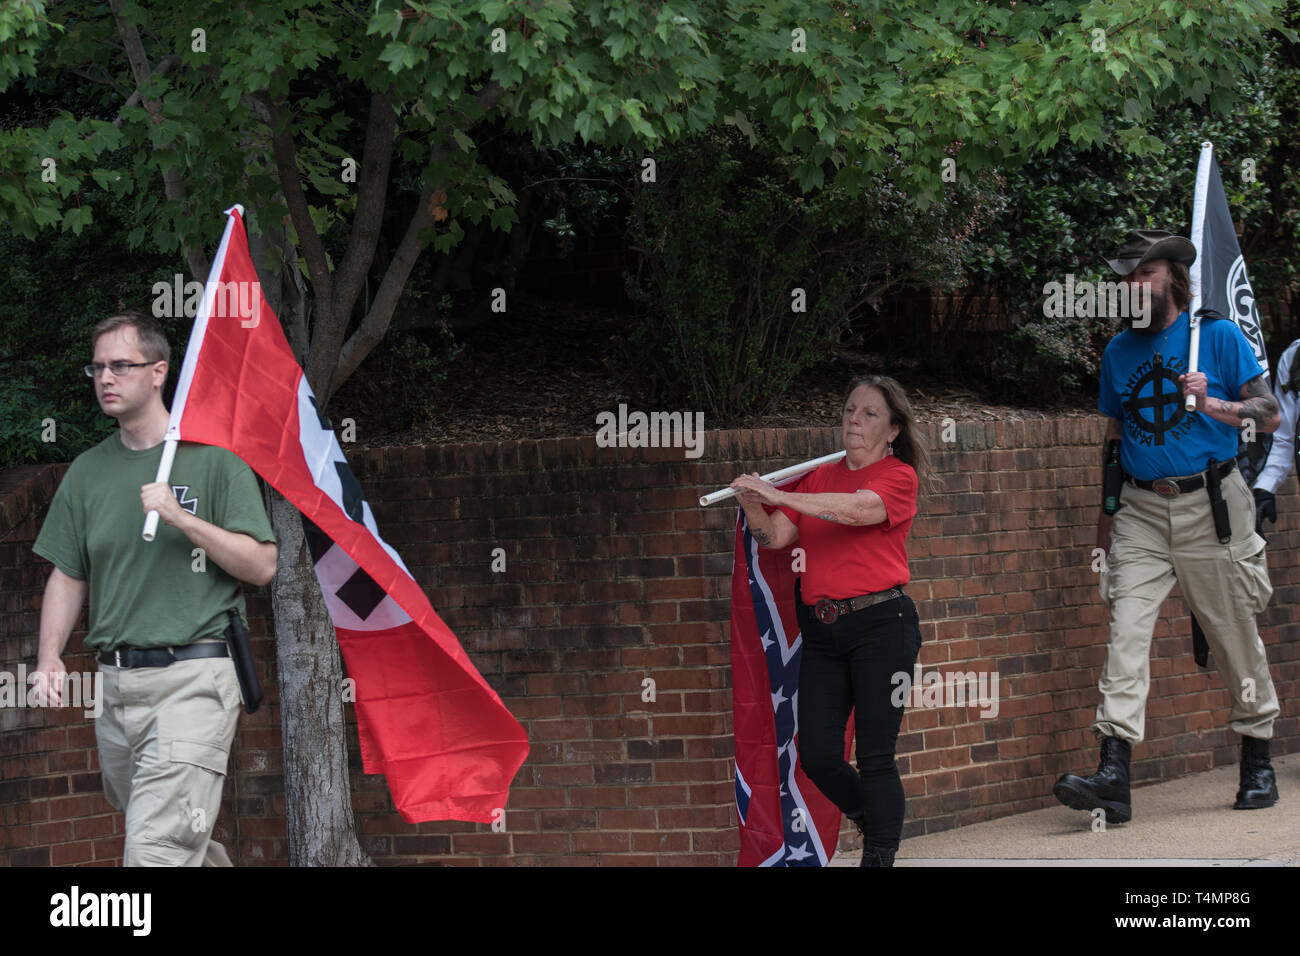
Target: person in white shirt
x,y
1281,457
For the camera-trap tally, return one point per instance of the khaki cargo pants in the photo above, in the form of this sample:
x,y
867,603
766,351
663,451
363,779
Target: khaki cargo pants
x,y
164,739
1156,541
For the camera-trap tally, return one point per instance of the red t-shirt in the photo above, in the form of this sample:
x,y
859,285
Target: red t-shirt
x,y
843,561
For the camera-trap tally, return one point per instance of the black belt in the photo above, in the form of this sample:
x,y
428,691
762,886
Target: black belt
x,y
161,656
828,611
1173,487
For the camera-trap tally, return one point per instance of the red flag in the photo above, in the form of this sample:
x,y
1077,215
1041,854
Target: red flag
x,y
426,718
784,819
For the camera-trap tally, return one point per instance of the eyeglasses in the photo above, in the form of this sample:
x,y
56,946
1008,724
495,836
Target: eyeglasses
x,y
118,368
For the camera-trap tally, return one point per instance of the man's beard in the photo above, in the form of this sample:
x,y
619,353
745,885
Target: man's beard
x,y
1159,308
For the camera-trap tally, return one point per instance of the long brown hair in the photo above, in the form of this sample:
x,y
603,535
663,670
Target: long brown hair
x,y
1180,285
908,446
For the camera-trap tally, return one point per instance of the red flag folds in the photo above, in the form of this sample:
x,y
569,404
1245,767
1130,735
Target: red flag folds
x,y
426,718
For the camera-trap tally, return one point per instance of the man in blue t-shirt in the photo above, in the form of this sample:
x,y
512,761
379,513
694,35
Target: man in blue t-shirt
x,y
1165,531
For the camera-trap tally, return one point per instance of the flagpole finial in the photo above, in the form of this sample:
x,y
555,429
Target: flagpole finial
x,y
1206,144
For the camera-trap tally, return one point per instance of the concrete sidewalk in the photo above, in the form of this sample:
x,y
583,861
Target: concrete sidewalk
x,y
1183,822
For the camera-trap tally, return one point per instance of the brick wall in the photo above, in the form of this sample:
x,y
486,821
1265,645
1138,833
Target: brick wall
x,y
613,574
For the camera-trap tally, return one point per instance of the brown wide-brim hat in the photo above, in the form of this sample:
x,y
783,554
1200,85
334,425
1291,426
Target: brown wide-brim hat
x,y
1143,245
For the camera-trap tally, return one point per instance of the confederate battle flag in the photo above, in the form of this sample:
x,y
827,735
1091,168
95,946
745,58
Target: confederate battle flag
x,y
784,819
426,718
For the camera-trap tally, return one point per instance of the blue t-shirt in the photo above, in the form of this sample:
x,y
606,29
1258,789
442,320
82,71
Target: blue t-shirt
x,y
1139,384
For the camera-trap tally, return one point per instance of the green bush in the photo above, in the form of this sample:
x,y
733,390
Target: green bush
x,y
56,288
1069,210
725,238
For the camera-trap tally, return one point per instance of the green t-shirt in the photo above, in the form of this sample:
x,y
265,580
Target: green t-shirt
x,y
150,593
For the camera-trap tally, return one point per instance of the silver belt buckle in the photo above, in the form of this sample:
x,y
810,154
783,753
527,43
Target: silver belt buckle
x,y
1166,488
117,658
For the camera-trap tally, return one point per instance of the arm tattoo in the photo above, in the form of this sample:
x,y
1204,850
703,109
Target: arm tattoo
x,y
828,516
1256,388
1260,404
762,537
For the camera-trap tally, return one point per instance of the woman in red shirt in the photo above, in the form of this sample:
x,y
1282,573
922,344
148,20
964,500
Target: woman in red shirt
x,y
858,628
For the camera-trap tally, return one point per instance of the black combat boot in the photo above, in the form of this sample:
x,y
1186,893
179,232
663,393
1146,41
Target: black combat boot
x,y
1107,788
871,855
1258,787
877,856
860,821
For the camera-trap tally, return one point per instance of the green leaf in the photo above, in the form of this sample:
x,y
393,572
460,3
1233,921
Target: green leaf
x,y
501,190
76,219
741,123
503,218
395,55
106,178
464,142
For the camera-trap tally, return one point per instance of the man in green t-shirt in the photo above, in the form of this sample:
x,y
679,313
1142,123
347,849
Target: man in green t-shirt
x,y
158,610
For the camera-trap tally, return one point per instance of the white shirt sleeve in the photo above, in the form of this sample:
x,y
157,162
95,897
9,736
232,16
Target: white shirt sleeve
x,y
1281,459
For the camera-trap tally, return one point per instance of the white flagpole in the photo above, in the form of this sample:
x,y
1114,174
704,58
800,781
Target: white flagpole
x,y
187,366
723,493
1194,273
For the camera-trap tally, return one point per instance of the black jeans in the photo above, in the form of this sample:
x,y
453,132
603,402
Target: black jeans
x,y
852,664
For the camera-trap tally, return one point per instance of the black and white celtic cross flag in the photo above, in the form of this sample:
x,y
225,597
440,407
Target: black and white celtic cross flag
x,y
1220,287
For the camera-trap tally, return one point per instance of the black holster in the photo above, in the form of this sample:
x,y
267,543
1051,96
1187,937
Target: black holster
x,y
1112,479
1218,507
1222,529
241,652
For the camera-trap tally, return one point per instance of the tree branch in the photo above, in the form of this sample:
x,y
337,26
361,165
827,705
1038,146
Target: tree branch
x,y
286,164
164,65
375,324
292,302
103,79
350,274
380,314
173,185
372,189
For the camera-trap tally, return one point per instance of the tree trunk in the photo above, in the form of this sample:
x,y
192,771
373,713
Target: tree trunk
x,y
317,793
